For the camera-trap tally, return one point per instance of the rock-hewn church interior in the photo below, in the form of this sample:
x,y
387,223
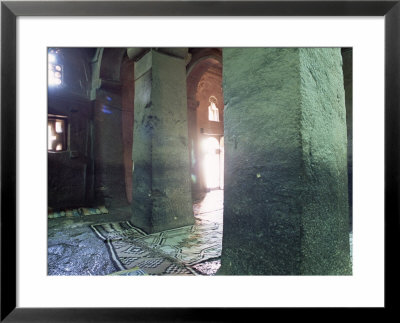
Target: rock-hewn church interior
x,y
199,161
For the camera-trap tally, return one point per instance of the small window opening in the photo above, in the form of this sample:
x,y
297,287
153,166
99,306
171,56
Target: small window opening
x,y
56,134
213,113
55,69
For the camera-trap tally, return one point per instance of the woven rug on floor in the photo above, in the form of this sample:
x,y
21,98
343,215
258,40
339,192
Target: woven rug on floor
x,y
182,247
190,244
77,212
117,231
127,252
135,271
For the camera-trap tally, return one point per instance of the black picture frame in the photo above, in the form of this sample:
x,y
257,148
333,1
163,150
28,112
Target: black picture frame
x,y
10,10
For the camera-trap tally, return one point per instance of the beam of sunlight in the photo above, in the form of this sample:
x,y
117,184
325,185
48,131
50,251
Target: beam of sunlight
x,y
211,162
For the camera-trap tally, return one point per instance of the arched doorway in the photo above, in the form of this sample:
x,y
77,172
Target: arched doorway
x,y
205,119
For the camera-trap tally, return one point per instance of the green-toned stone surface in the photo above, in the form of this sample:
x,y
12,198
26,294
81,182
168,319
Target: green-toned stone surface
x,y
325,246
347,56
285,157
161,187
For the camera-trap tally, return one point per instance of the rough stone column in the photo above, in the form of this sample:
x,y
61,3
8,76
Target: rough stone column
x,y
108,145
161,197
128,97
193,104
285,206
347,55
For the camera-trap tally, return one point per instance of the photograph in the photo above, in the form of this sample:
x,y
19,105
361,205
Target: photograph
x,y
199,161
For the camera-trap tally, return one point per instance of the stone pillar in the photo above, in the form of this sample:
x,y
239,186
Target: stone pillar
x,y
347,55
285,206
128,97
194,154
108,145
161,197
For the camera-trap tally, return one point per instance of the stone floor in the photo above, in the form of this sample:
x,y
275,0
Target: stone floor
x,y
74,249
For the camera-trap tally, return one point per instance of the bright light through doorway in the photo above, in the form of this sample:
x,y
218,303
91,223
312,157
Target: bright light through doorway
x,y
213,163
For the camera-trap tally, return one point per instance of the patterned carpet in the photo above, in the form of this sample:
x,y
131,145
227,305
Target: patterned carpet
x,y
76,212
135,271
182,251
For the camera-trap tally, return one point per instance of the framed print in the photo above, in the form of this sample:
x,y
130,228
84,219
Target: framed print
x,y
220,90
